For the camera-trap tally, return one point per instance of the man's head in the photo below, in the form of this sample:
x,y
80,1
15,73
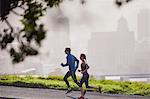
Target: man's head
x,y
67,50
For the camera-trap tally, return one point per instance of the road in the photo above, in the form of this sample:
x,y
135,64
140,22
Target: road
x,y
36,93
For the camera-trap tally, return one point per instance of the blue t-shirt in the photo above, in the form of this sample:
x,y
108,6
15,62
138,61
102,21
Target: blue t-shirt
x,y
72,61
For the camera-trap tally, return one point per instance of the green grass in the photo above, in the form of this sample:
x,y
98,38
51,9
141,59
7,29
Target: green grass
x,y
56,82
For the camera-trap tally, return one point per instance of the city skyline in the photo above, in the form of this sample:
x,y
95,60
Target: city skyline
x,y
121,49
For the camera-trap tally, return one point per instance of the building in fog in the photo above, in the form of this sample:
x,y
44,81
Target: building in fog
x,y
118,52
112,52
142,50
58,37
144,24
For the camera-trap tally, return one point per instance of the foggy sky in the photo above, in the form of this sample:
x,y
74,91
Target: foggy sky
x,y
94,16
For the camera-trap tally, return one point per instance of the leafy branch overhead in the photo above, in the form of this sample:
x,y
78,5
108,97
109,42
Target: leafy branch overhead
x,y
32,32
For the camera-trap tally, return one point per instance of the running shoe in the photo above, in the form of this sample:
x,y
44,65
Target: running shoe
x,y
81,97
68,91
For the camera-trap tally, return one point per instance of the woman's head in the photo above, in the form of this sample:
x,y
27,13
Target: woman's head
x,y
83,57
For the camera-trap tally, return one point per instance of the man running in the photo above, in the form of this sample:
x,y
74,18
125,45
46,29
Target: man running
x,y
73,63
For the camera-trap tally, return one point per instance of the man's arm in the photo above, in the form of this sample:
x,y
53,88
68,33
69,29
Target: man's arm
x,y
66,62
77,63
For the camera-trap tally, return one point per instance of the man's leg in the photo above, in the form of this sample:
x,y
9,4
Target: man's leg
x,y
73,75
66,77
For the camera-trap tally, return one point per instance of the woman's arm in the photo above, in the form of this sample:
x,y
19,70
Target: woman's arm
x,y
87,67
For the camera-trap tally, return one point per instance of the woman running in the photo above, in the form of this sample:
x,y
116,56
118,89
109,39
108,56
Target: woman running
x,y
85,77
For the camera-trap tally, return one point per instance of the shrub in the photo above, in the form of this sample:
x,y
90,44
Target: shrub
x,y
56,82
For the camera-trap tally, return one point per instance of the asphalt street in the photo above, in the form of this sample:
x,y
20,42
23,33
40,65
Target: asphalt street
x,y
9,92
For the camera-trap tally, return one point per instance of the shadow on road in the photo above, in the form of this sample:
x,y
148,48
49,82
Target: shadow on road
x,y
8,98
74,97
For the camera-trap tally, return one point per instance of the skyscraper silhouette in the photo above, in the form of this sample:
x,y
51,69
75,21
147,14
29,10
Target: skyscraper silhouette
x,y
144,24
110,51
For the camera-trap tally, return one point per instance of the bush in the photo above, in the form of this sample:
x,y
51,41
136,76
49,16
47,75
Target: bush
x,y
56,82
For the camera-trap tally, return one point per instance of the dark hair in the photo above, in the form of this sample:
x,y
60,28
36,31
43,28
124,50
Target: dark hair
x,y
68,49
83,55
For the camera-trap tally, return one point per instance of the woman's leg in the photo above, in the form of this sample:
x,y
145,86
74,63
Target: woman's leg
x,y
86,78
81,89
87,84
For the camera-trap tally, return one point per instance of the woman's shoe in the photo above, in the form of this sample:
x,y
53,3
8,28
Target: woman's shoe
x,y
81,97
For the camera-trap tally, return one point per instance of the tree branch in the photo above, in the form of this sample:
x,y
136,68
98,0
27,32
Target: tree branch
x,y
9,25
22,7
16,13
